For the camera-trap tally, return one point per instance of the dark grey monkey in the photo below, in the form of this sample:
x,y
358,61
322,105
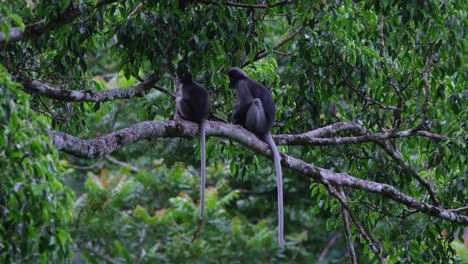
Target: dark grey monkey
x,y
193,104
256,112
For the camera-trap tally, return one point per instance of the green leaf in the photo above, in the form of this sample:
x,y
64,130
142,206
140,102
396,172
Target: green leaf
x,y
6,30
17,19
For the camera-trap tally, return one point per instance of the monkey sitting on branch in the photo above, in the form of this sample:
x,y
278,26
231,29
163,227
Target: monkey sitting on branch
x,y
193,104
256,112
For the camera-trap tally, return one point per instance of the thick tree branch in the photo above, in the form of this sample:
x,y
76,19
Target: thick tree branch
x,y
34,86
66,17
312,138
150,130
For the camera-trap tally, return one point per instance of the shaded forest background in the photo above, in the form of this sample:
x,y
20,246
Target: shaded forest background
x,y
371,122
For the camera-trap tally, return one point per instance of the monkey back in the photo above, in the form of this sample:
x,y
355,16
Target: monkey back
x,y
200,100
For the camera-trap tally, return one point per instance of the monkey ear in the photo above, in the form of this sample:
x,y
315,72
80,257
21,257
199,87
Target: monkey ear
x,y
183,72
186,77
236,73
181,68
182,4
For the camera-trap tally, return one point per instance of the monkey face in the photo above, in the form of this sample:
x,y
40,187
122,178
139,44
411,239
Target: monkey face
x,y
185,77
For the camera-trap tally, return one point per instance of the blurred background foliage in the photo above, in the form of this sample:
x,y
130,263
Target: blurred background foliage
x,y
345,61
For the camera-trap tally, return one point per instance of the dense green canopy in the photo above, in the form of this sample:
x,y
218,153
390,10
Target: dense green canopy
x,y
371,122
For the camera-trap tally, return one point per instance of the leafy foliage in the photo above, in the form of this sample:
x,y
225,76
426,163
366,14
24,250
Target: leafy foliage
x,y
386,65
151,208
35,207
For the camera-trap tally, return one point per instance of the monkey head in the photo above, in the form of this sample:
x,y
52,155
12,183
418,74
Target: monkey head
x,y
183,74
235,74
186,77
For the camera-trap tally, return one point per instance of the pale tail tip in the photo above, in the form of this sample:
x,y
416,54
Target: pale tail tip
x,y
281,241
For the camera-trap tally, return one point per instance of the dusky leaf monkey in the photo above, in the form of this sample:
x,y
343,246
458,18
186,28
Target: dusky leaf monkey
x,y
193,104
256,112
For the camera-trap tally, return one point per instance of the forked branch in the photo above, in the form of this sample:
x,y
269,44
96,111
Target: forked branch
x,y
151,130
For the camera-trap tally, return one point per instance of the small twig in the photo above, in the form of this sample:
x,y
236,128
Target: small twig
x,y
61,119
122,164
327,248
242,5
217,118
347,228
164,90
47,107
458,209
349,236
99,254
138,7
89,167
157,87
366,97
168,157
398,114
427,87
382,36
263,53
410,212
114,119
370,241
396,156
282,53
201,225
143,237
386,213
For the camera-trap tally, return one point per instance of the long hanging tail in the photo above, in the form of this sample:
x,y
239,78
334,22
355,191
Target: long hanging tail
x,y
202,169
279,185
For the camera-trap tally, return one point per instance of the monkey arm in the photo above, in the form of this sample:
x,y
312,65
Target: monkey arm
x,y
184,109
240,113
235,116
255,119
